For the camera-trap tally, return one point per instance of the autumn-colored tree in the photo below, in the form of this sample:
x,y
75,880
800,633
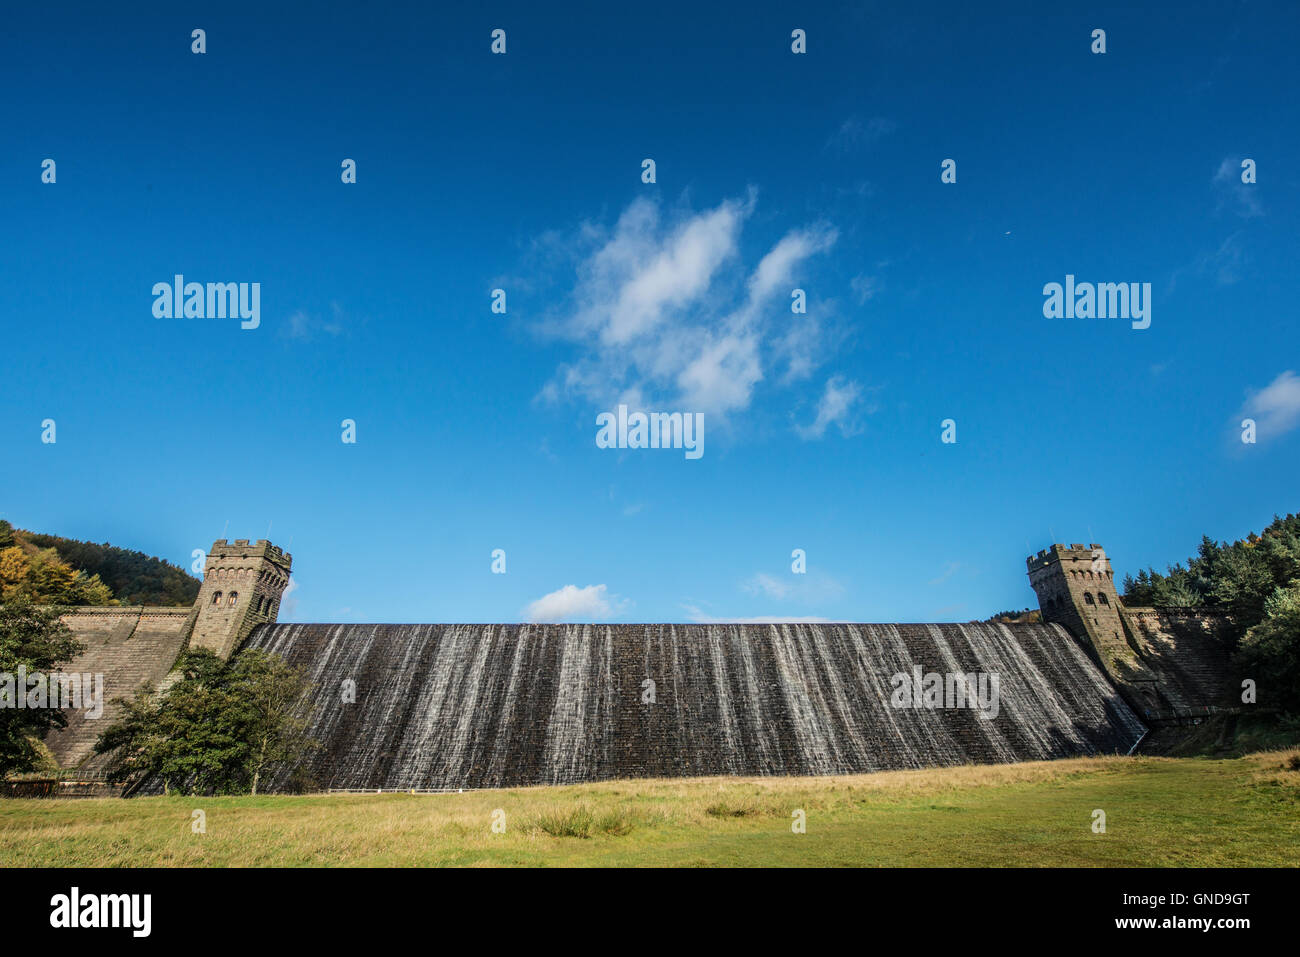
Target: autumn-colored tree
x,y
14,569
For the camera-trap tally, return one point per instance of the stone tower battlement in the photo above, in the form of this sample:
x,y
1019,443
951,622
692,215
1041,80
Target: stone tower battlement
x,y
242,586
1075,586
1163,662
259,548
1064,575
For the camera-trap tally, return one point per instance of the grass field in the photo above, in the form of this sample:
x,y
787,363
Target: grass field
x,y
1159,812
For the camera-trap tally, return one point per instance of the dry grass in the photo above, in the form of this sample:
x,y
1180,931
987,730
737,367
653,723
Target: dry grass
x,y
1160,811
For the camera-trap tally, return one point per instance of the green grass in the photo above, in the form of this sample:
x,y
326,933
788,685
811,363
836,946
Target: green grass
x,y
1159,812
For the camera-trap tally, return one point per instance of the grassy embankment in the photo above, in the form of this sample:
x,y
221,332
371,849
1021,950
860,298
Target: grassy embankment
x,y
1159,812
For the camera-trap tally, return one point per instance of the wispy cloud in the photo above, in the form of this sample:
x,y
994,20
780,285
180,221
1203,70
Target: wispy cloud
x,y
858,133
303,326
1226,262
289,600
664,311
1276,407
808,589
864,287
1232,194
948,571
767,585
569,602
834,408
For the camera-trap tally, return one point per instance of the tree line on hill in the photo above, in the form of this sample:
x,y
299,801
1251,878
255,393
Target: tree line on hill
x,y
51,570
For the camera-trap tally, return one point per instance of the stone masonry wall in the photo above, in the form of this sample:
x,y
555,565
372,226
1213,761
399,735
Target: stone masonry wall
x,y
1188,650
451,706
128,646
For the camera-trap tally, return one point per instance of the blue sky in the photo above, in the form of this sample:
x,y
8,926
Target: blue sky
x,y
476,431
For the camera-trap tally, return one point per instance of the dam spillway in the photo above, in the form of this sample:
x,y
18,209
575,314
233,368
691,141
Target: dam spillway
x,y
480,706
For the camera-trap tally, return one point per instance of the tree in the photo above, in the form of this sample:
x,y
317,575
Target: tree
x,y
50,580
1241,582
14,569
1270,651
35,639
47,579
270,691
135,740
220,728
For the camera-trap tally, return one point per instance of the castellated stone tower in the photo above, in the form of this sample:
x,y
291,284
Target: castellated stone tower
x,y
242,585
1075,586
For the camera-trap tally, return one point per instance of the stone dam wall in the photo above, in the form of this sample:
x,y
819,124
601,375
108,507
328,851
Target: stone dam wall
x,y
472,706
128,645
1187,651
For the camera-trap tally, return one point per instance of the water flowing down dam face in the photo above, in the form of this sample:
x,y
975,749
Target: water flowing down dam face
x,y
475,706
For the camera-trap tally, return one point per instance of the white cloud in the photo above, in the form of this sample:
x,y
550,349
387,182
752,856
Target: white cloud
x,y
807,589
767,585
776,268
571,601
289,599
1276,407
1241,198
1227,261
864,287
666,313
948,571
835,408
305,327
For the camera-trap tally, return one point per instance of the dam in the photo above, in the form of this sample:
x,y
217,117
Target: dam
x,y
483,706
448,706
